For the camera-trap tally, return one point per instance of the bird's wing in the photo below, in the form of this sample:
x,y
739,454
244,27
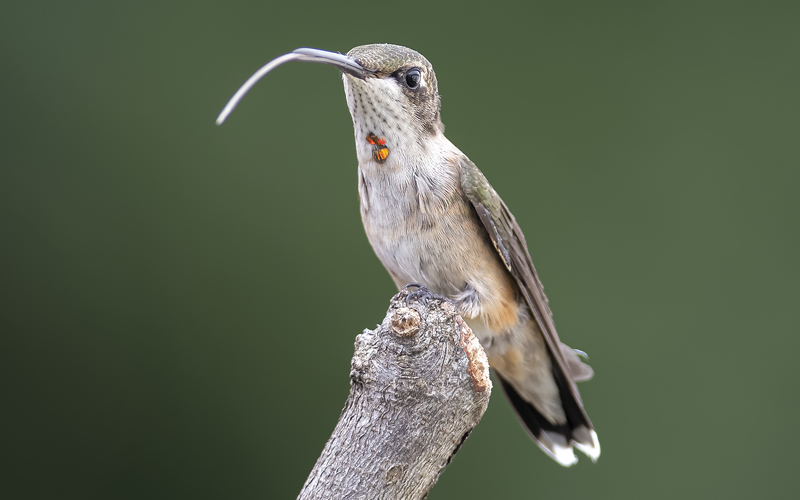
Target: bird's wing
x,y
509,242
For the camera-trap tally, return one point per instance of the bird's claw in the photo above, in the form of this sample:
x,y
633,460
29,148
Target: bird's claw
x,y
421,293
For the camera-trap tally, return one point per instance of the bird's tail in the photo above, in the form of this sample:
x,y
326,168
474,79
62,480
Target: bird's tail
x,y
557,440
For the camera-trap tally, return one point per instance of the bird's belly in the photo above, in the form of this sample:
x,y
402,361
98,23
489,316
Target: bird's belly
x,y
450,254
418,257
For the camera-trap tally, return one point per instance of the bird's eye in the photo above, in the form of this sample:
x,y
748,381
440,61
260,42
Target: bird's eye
x,y
413,77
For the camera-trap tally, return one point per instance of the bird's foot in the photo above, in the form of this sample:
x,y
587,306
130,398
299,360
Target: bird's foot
x,y
421,294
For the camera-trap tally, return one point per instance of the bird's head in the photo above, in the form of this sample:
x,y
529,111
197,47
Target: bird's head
x,y
397,95
391,92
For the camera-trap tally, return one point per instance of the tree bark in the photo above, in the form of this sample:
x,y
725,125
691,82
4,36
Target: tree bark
x,y
419,383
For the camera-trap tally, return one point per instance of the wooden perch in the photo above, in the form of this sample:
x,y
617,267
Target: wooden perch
x,y
419,383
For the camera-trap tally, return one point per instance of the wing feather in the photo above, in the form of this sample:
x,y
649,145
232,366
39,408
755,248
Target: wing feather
x,y
510,244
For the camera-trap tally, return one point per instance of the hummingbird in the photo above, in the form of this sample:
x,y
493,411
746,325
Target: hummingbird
x,y
433,219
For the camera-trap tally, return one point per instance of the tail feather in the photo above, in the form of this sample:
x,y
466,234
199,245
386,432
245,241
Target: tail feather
x,y
554,439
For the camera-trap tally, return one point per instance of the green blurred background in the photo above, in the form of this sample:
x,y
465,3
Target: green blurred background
x,y
157,271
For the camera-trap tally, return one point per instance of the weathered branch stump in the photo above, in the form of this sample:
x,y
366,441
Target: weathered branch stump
x,y
419,383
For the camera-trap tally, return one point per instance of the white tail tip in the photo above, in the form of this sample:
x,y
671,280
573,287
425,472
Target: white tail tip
x,y
592,451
